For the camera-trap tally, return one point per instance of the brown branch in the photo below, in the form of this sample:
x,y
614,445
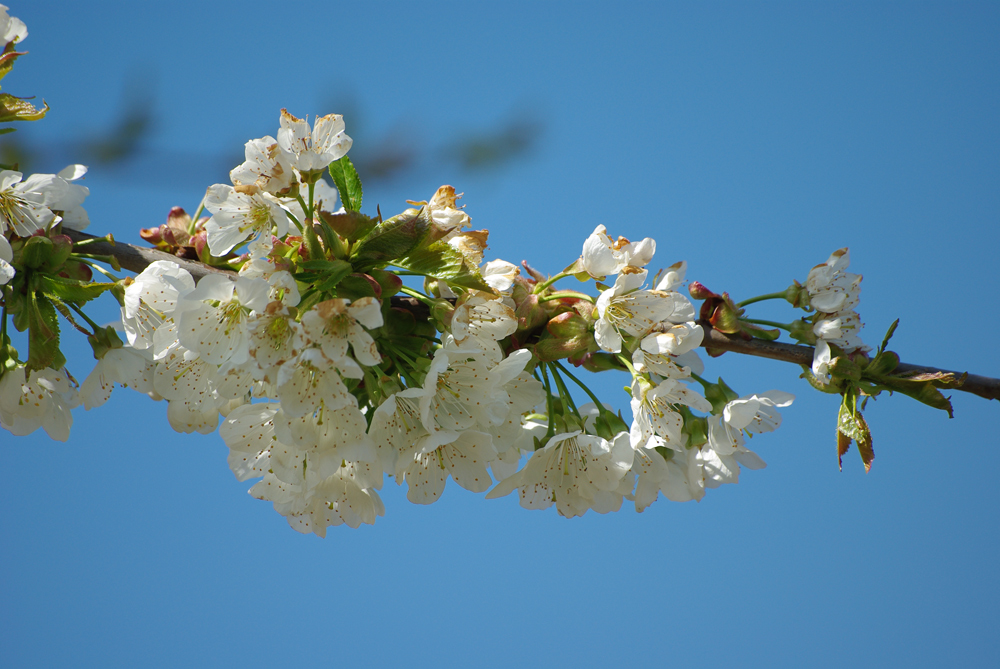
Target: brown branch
x,y
983,386
136,259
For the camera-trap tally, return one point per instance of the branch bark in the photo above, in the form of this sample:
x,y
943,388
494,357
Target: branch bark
x,y
136,259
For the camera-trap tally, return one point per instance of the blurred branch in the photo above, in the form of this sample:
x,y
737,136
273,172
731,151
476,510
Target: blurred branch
x,y
136,259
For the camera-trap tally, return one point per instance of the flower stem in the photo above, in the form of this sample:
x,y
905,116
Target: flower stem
x,y
106,238
194,219
757,321
312,241
418,295
296,221
548,282
563,392
566,294
628,364
761,298
550,409
590,393
91,263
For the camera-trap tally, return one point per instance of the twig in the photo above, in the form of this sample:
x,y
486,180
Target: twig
x,y
136,259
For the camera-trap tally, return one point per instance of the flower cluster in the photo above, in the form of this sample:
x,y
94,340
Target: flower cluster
x,y
834,293
594,460
323,384
333,348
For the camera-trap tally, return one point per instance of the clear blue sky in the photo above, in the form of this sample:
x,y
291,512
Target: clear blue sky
x,y
749,139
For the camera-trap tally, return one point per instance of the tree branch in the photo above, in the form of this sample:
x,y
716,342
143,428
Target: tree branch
x,y
136,259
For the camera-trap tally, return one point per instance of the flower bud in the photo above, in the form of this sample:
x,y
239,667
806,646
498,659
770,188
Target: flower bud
x,y
699,291
548,350
600,362
567,325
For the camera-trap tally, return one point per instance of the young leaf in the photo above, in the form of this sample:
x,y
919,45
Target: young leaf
x,y
348,184
70,290
350,225
43,335
391,239
17,109
441,261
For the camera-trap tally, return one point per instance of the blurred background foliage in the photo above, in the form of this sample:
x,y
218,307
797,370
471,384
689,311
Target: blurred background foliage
x,y
121,147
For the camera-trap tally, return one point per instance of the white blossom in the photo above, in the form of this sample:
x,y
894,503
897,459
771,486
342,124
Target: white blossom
x,y
12,29
266,166
313,149
603,256
241,214
653,412
125,366
574,470
40,399
6,256
21,209
149,304
212,319
624,308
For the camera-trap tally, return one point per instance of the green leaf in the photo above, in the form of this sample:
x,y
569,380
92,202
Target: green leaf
x,y
392,239
8,58
17,109
441,261
921,388
350,225
851,425
888,336
884,362
43,335
71,290
327,273
348,184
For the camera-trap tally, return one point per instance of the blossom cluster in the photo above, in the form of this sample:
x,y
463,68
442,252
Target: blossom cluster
x,y
320,386
331,348
834,293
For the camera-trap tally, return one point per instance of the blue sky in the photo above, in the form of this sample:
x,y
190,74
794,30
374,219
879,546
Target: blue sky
x,y
749,139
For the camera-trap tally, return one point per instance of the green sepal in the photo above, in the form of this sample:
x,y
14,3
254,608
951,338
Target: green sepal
x,y
389,282
695,427
719,394
348,183
801,330
43,335
757,332
832,388
441,261
103,340
666,453
36,251
17,109
71,290
392,239
608,425
358,285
